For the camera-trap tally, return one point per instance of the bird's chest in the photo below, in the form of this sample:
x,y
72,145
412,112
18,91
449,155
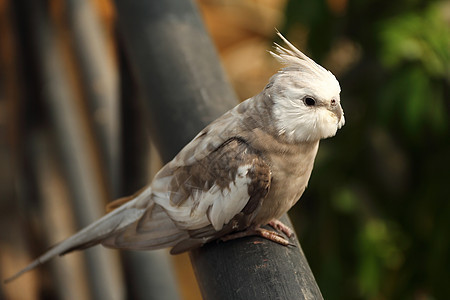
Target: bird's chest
x,y
290,175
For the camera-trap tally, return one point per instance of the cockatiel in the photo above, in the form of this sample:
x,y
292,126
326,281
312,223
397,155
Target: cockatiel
x,y
243,171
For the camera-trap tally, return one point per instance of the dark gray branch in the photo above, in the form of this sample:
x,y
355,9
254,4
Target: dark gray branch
x,y
148,274
254,268
177,68
185,89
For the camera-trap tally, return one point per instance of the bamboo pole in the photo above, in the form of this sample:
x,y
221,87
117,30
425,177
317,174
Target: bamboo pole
x,y
176,68
179,72
14,245
100,84
149,274
74,150
55,215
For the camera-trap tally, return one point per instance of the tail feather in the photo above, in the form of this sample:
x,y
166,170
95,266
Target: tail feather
x,y
154,230
89,236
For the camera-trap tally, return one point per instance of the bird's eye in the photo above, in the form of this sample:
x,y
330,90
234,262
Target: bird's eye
x,y
309,101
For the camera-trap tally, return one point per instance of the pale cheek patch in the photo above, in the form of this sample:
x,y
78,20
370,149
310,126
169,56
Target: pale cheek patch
x,y
292,120
328,124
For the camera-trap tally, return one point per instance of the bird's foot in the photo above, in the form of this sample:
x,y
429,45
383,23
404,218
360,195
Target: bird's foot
x,y
278,225
252,231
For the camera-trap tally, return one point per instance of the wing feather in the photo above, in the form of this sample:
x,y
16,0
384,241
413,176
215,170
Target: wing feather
x,y
213,190
218,179
231,201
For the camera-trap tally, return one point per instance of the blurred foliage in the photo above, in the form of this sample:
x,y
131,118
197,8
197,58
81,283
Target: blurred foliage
x,y
375,221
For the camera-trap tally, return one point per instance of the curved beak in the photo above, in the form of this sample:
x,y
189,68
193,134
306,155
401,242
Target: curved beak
x,y
339,112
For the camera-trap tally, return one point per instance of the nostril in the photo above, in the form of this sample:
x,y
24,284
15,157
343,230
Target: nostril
x,y
333,102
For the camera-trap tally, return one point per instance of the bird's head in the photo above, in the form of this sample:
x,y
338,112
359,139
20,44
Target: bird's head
x,y
306,101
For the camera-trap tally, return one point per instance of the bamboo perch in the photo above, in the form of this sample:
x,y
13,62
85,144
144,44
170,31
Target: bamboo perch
x,y
179,72
73,143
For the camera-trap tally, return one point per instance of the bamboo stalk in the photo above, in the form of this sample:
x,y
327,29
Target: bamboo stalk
x,y
149,274
100,83
185,89
15,188
74,149
56,218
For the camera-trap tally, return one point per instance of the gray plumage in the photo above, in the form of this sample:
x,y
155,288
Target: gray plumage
x,y
242,171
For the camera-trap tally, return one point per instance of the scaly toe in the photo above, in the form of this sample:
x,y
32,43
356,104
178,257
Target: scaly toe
x,y
278,225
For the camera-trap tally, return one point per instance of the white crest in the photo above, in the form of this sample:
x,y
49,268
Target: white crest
x,y
294,58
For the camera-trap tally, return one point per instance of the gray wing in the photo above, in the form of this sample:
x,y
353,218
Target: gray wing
x,y
196,203
213,179
231,124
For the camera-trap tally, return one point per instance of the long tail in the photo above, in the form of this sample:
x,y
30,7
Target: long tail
x,y
91,235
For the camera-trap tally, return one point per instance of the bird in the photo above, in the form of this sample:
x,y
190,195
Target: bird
x,y
241,172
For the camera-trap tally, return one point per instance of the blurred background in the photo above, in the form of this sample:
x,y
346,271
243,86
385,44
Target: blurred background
x,y
374,222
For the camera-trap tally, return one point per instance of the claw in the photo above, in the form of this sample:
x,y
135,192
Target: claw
x,y
252,231
278,225
273,236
